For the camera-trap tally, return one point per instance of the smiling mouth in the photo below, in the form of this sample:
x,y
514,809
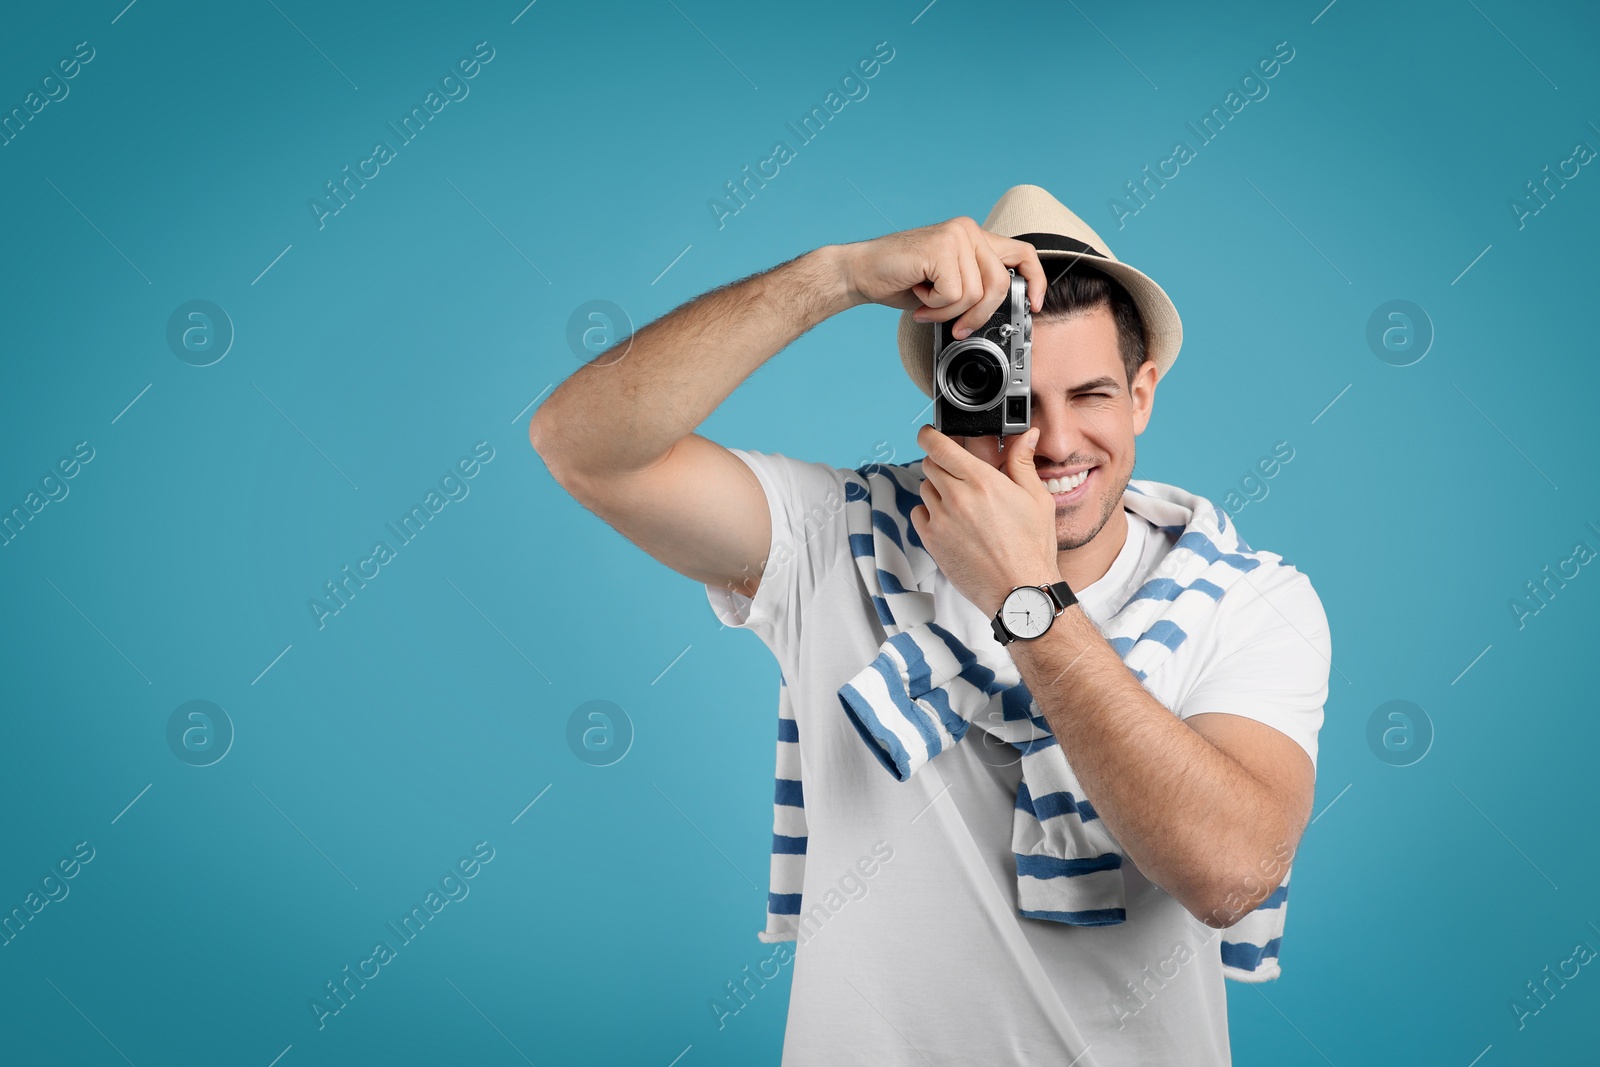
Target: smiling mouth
x,y
1069,489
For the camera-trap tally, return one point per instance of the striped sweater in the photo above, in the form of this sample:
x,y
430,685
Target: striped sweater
x,y
924,690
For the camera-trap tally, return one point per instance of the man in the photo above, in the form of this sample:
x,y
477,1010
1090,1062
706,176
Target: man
x,y
1203,773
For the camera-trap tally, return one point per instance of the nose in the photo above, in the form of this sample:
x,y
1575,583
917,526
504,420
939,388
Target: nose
x,y
1061,438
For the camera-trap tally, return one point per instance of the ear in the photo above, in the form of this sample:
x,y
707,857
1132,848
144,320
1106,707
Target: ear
x,y
1143,392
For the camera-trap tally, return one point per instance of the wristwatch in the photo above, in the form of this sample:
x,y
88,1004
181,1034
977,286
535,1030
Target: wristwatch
x,y
1028,611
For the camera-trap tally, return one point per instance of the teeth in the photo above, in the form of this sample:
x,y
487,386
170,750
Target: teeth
x,y
1066,485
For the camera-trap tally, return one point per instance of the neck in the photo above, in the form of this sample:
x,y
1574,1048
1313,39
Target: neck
x,y
1081,567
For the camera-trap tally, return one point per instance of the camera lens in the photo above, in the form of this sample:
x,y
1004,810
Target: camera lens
x,y
974,379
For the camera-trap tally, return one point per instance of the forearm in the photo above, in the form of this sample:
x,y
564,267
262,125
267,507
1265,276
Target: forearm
x,y
678,369
1194,821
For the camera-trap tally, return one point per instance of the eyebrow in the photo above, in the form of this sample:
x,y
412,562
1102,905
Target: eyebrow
x,y
1102,382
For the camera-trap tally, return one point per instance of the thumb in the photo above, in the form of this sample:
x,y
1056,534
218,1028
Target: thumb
x,y
1019,461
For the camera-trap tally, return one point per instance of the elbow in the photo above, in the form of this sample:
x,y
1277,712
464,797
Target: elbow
x,y
538,434
1219,907
1209,900
1219,913
555,450
1231,895
543,439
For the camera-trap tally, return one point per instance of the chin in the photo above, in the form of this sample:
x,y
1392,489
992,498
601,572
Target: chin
x,y
1070,526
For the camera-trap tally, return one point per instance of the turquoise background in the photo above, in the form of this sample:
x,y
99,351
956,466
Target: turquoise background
x,y
371,754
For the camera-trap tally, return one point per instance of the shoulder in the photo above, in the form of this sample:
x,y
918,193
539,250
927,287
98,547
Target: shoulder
x,y
1274,599
810,502
885,485
896,486
1271,595
908,474
793,480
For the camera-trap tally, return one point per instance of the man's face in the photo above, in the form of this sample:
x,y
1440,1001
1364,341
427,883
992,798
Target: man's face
x,y
1087,416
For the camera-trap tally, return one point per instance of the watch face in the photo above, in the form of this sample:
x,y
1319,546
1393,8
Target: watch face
x,y
1027,612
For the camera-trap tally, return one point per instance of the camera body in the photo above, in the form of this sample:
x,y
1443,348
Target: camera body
x,y
981,383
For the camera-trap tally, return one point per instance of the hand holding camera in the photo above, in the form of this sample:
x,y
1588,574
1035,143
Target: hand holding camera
x,y
947,270
980,290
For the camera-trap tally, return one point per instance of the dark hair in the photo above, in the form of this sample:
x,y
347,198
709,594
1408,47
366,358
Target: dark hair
x,y
1079,288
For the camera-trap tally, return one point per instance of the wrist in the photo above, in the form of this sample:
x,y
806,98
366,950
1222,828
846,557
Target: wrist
x,y
1027,611
1034,579
804,291
836,278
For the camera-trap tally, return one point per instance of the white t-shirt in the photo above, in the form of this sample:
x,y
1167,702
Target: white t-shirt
x,y
927,961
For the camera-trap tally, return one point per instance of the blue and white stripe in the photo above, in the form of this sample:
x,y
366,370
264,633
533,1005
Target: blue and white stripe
x,y
788,827
925,689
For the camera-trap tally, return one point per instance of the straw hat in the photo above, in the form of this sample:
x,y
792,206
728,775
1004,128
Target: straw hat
x,y
1029,213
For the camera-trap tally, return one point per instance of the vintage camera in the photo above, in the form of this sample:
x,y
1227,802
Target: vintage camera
x,y
981,382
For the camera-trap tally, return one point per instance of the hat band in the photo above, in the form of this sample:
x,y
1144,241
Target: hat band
x,y
1055,242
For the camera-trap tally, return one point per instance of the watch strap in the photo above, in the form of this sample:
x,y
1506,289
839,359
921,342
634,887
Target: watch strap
x,y
1062,594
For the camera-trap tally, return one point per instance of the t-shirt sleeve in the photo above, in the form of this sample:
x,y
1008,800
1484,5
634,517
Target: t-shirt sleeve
x,y
805,502
1272,659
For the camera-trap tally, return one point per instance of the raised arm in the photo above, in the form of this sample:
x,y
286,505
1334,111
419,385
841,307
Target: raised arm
x,y
619,433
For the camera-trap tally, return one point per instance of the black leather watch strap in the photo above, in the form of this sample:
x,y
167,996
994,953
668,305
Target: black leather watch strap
x,y
1063,594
